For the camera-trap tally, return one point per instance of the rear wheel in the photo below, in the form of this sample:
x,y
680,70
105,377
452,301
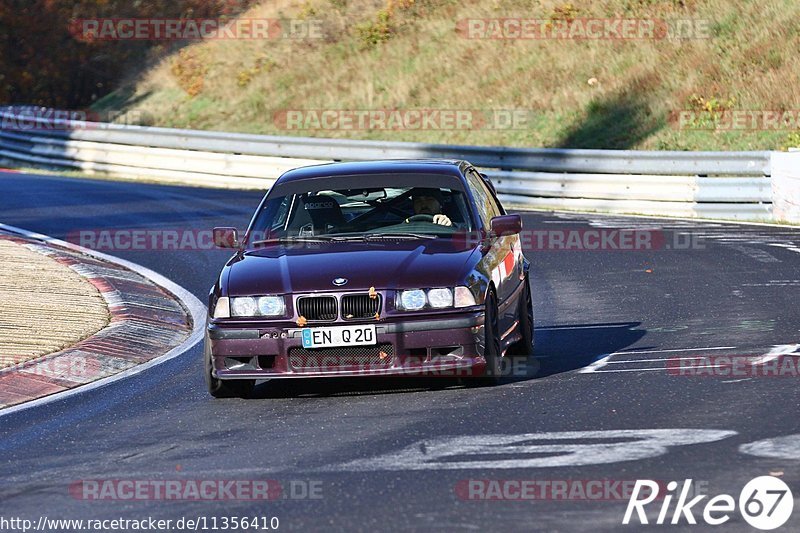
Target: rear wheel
x,y
218,388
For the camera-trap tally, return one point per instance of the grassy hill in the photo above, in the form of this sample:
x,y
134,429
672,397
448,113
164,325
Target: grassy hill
x,y
741,55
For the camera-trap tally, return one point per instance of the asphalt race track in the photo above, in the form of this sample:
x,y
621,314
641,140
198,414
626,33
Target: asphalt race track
x,y
611,326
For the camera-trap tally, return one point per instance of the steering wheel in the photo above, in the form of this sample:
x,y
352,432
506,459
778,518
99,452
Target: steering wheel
x,y
386,207
420,218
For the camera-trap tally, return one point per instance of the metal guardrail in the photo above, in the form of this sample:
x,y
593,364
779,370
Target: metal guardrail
x,y
180,166
708,184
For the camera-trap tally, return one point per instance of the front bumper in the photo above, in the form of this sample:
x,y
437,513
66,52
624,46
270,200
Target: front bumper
x,y
430,346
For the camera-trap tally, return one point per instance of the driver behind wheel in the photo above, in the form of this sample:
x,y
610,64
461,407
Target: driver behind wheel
x,y
429,202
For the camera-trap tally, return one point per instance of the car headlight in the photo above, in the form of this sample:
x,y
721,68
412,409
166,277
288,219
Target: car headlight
x,y
440,298
222,309
412,300
437,298
464,297
244,306
261,306
271,306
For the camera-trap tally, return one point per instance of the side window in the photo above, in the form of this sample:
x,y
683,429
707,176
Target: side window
x,y
492,198
487,208
271,221
280,217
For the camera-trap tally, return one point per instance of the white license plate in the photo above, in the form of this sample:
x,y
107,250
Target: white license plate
x,y
339,336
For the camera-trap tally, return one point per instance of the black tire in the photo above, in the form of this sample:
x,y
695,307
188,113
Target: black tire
x,y
491,350
218,388
523,348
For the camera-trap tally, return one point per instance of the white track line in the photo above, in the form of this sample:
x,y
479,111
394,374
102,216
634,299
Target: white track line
x,y
604,360
775,352
653,360
195,307
591,326
659,369
677,350
599,363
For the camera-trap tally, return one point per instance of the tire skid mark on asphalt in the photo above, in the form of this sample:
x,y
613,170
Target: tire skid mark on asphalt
x,y
754,253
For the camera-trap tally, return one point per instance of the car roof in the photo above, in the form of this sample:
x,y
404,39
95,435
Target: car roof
x,y
451,167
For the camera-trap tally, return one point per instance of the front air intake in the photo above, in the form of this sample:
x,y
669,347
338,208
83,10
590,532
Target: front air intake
x,y
317,308
356,306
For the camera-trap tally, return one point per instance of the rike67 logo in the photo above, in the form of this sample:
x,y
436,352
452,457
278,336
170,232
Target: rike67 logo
x,y
765,503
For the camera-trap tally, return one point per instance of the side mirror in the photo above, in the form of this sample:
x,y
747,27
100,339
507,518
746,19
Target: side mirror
x,y
506,225
226,237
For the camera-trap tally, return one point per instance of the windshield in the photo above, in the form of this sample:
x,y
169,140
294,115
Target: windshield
x,y
342,214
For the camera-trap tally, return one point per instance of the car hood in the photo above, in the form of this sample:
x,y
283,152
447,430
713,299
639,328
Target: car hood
x,y
313,267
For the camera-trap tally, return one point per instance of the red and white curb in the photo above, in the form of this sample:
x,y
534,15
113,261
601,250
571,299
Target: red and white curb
x,y
144,321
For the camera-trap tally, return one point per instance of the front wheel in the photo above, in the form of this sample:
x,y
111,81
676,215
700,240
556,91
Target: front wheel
x,y
218,388
524,347
491,350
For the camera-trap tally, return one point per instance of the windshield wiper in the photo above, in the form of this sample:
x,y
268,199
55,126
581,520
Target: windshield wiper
x,y
289,240
399,235
344,237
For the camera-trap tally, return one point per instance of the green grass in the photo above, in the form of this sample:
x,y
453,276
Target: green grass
x,y
407,54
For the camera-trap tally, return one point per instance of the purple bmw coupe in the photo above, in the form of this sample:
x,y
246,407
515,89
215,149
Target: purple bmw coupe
x,y
371,268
